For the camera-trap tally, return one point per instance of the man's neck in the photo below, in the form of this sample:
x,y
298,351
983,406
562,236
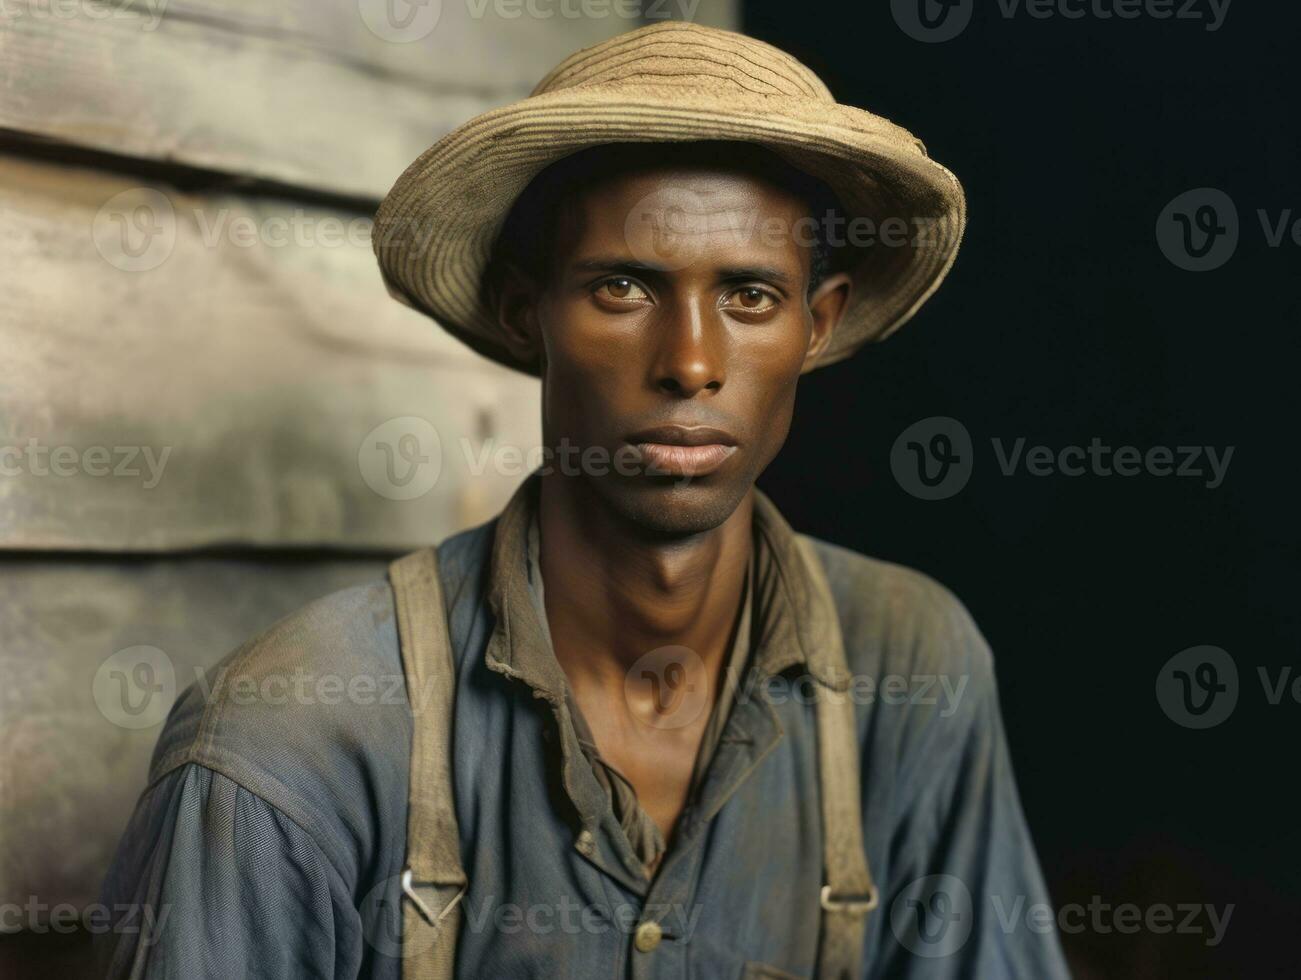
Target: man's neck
x,y
614,593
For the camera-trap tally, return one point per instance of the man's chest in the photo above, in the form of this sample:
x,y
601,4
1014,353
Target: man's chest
x,y
556,890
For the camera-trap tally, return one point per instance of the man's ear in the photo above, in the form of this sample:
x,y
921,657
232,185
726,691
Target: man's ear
x,y
516,301
827,304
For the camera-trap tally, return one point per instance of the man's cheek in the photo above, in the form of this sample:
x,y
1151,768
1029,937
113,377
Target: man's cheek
x,y
776,419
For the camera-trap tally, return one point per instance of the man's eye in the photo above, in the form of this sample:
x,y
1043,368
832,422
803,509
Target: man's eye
x,y
621,290
752,299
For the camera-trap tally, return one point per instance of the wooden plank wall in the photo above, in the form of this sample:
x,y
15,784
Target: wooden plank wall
x,y
185,195
247,349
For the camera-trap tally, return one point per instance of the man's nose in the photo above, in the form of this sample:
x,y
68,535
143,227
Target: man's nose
x,y
691,352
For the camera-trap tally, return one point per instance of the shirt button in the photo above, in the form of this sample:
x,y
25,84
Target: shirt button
x,y
648,936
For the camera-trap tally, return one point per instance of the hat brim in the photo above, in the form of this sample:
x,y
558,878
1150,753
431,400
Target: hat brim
x,y
435,229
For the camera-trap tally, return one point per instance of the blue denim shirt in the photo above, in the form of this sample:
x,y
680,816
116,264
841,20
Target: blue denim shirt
x,y
270,839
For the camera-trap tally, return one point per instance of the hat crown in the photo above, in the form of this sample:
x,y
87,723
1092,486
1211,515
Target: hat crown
x,y
683,54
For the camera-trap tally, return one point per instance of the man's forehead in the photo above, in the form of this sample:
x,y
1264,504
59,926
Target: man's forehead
x,y
668,216
717,188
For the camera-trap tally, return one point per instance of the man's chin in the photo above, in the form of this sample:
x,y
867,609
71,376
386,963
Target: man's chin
x,y
675,507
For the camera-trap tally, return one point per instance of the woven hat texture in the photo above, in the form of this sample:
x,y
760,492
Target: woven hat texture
x,y
670,82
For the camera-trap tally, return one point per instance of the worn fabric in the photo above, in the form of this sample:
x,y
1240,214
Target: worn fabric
x,y
643,833
271,836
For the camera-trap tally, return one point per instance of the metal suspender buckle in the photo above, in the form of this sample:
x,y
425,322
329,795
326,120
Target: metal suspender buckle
x,y
853,904
409,890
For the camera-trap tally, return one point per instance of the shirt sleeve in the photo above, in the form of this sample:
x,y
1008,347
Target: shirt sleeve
x,y
965,896
210,880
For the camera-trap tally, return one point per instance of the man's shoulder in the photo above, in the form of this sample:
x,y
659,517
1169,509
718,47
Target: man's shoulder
x,y
313,713
896,620
309,678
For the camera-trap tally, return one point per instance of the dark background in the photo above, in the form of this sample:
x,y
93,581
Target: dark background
x,y
1062,320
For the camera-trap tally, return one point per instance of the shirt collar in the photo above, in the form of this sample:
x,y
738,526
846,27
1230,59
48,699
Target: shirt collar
x,y
796,622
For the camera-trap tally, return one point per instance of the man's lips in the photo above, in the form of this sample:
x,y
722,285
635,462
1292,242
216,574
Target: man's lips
x,y
677,450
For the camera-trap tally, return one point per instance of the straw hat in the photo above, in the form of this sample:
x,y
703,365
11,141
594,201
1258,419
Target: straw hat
x,y
671,82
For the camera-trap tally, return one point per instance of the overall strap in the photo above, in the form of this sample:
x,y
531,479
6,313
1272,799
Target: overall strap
x,y
847,891
433,881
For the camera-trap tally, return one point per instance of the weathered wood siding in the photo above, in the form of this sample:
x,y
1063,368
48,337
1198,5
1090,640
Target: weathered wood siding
x,y
201,374
188,371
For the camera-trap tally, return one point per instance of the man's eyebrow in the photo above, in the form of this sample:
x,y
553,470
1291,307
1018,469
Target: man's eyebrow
x,y
768,272
600,263
729,274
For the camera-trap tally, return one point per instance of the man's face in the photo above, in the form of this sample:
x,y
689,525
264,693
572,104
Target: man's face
x,y
674,328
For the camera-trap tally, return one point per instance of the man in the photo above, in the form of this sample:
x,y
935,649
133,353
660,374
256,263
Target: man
x,y
643,660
